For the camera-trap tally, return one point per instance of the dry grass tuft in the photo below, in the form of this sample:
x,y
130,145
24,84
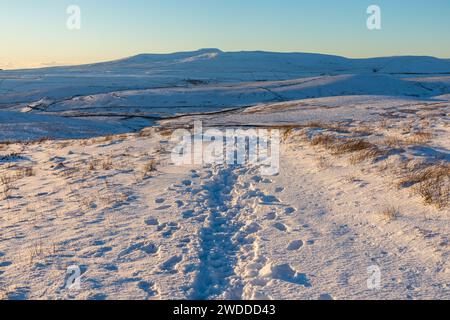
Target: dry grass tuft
x,y
92,164
149,168
341,146
107,164
25,172
146,132
7,186
351,145
324,140
420,137
431,182
419,174
365,155
414,138
391,213
393,142
323,163
338,127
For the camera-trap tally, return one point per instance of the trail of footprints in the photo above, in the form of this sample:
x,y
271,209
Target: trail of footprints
x,y
257,270
230,208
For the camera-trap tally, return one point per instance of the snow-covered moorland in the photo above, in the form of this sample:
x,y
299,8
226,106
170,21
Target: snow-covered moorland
x,y
87,179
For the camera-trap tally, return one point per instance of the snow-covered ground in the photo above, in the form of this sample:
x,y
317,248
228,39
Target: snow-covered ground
x,y
363,182
129,94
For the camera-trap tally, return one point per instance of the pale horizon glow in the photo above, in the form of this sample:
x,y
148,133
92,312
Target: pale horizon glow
x,y
34,33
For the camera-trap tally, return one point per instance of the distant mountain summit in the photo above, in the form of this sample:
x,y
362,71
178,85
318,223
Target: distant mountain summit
x,y
215,62
176,78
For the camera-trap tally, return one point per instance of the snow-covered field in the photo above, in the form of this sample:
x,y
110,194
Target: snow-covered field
x,y
87,179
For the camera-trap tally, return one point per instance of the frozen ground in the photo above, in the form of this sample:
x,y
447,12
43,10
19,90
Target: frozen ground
x,y
208,232
132,93
364,179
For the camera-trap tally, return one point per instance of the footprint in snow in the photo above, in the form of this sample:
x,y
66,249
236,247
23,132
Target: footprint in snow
x,y
102,251
171,263
269,199
251,228
271,216
5,263
295,245
194,174
259,179
150,248
188,214
148,288
98,297
289,210
280,226
160,200
168,229
110,267
164,207
179,203
285,272
147,247
187,183
151,222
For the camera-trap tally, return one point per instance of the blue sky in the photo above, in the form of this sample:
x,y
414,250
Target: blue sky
x,y
33,32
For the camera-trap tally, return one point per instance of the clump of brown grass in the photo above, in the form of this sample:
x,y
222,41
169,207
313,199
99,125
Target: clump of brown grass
x,y
431,182
406,128
393,142
362,130
417,137
63,144
165,132
7,187
107,164
338,127
25,172
351,145
391,213
92,164
367,154
40,140
315,124
324,140
146,132
418,174
323,163
384,124
346,145
420,137
149,168
287,133
435,191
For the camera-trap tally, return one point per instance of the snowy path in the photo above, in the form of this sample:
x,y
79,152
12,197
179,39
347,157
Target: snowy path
x,y
213,232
